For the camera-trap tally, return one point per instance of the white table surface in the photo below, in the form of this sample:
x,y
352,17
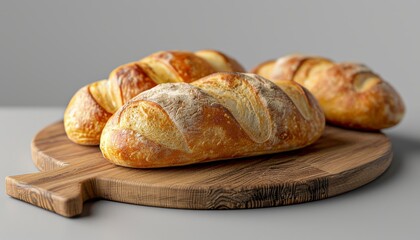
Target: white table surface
x,y
388,208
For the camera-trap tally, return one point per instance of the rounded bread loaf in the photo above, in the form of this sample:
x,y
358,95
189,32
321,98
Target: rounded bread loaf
x,y
221,116
350,94
92,106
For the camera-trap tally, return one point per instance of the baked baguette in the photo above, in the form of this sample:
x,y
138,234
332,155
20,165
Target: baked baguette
x,y
92,106
221,116
350,94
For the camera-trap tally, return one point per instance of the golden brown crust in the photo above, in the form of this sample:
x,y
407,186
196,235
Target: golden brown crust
x,y
220,61
350,94
221,116
131,80
264,69
80,127
127,81
177,66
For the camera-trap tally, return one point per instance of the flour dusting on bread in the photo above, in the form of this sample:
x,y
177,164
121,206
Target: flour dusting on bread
x,y
221,116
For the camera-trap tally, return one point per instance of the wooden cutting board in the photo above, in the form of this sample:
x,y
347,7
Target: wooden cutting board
x,y
340,161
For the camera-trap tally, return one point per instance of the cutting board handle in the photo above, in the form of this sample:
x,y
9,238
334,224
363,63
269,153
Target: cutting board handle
x,y
56,190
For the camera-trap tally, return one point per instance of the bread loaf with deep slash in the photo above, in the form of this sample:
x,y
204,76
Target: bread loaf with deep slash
x,y
92,106
350,94
221,116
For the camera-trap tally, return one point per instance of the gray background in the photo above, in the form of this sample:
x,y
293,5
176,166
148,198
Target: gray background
x,y
49,49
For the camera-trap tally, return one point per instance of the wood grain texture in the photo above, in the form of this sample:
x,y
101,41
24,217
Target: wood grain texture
x,y
340,161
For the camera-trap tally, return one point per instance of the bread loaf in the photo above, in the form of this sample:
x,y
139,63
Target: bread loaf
x,y
92,106
221,116
351,94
